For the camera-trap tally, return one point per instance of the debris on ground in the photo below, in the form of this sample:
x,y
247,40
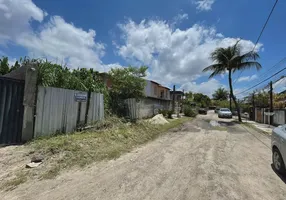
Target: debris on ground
x,y
37,158
158,119
214,123
33,164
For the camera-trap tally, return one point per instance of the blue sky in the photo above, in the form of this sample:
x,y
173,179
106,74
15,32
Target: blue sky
x,y
173,38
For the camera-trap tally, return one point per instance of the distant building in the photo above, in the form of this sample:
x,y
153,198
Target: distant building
x,y
179,95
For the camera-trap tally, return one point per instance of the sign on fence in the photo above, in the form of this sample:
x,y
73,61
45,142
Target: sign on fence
x,y
80,97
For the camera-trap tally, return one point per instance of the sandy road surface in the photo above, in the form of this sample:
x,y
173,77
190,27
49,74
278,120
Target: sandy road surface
x,y
197,162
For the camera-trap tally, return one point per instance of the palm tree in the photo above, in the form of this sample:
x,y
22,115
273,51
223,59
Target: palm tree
x,y
231,60
220,94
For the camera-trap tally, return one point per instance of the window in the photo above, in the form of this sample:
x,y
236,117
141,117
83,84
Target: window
x,y
162,94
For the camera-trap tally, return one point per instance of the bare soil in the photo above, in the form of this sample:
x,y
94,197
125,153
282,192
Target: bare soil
x,y
197,161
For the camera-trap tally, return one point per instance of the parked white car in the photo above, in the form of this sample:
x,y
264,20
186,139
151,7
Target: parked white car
x,y
224,113
278,144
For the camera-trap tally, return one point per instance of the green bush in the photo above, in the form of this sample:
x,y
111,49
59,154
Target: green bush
x,y
163,112
170,112
189,112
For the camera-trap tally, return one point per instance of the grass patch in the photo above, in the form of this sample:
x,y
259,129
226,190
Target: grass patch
x,y
220,128
11,184
83,148
255,128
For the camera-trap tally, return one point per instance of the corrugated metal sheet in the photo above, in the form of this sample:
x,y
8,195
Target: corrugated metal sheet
x,y
96,108
279,117
133,108
57,110
11,110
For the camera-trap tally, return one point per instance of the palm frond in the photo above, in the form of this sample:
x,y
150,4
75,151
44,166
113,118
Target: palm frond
x,y
215,73
214,67
248,65
249,56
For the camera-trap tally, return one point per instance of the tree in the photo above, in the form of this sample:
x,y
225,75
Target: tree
x,y
220,94
126,83
231,60
202,100
4,66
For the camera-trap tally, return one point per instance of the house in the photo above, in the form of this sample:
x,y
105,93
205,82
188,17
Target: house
x,y
179,95
157,97
156,90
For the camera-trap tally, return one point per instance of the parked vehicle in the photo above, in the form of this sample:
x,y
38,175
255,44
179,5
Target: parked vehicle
x,y
278,144
216,110
224,113
203,111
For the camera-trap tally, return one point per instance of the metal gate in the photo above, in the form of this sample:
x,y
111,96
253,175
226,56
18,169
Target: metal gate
x,y
11,110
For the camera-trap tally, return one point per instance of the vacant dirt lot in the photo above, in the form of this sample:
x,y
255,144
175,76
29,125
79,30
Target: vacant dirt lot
x,y
200,161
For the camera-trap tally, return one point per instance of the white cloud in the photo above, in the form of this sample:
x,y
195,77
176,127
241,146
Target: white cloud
x,y
61,40
207,87
173,55
280,85
15,17
247,78
55,39
204,5
179,18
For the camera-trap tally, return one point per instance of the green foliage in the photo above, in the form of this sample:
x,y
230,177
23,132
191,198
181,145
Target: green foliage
x,y
190,112
4,66
170,113
126,83
220,104
202,100
262,99
163,112
220,94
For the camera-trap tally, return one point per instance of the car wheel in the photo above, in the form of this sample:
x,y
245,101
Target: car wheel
x,y
278,162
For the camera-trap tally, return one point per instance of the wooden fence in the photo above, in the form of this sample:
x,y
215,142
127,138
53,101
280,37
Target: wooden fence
x,y
59,111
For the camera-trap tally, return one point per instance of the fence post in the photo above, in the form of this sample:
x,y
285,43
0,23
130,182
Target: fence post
x,y
87,107
271,102
31,78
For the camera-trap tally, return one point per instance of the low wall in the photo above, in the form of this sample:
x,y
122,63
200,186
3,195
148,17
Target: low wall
x,y
146,107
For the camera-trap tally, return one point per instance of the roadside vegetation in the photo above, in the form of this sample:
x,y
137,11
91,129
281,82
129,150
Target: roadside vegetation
x,y
62,152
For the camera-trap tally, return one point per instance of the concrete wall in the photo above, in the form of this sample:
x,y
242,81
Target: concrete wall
x,y
146,107
150,106
57,111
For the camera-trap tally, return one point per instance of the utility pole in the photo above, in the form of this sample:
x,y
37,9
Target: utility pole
x,y
173,103
271,102
253,107
230,102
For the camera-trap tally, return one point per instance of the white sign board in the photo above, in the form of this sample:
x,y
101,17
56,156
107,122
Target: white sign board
x,y
80,97
269,113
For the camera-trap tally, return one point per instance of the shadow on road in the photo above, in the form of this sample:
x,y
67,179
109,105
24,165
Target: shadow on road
x,y
228,123
282,177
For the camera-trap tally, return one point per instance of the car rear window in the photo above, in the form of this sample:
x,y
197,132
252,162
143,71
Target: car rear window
x,y
224,109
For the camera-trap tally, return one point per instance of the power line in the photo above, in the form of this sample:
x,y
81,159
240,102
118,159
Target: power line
x,y
265,23
263,28
262,81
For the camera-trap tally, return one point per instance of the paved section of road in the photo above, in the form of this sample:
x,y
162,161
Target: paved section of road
x,y
199,161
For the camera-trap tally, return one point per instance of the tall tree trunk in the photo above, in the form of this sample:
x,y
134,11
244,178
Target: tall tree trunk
x,y
232,96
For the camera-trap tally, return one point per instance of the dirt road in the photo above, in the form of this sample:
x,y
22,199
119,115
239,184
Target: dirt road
x,y
200,161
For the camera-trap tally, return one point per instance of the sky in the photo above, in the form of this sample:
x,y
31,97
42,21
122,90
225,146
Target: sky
x,y
173,38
